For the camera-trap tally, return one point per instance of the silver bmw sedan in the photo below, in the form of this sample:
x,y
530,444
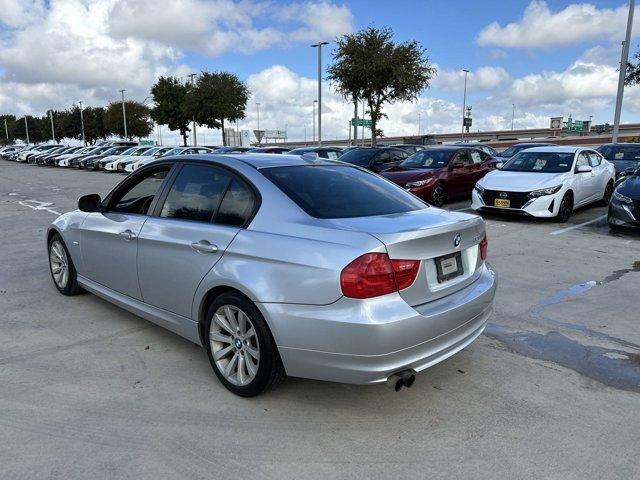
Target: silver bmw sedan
x,y
282,265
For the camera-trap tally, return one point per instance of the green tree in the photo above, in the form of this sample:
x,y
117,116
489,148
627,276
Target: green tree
x,y
94,128
169,95
138,122
35,129
369,65
217,97
632,76
11,119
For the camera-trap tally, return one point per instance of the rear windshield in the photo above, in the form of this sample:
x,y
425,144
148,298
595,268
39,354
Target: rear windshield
x,y
546,162
620,152
360,157
328,191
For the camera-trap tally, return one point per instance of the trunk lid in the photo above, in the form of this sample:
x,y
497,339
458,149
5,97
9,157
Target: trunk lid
x,y
426,235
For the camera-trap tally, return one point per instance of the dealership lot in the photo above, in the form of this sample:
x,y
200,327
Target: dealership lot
x,y
550,391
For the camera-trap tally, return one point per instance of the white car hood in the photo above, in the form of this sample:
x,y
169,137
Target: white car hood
x,y
520,181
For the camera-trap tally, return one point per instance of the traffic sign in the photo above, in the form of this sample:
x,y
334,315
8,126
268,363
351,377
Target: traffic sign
x,y
361,122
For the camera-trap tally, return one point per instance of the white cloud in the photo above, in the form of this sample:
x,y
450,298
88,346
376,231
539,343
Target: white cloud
x,y
542,27
320,20
483,78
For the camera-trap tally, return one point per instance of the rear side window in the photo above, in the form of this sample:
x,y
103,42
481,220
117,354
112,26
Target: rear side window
x,y
328,191
196,193
237,205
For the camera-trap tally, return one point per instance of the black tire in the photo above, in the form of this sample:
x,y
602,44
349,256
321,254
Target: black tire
x,y
608,192
438,195
70,286
270,370
566,208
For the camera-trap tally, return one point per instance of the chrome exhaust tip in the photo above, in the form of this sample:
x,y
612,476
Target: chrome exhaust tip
x,y
408,378
395,382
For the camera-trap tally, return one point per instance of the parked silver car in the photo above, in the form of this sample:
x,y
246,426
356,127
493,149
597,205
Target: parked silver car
x,y
282,264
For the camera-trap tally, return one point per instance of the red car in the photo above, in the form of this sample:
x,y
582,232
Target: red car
x,y
437,174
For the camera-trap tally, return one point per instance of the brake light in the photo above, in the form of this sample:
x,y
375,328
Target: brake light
x,y
484,243
374,274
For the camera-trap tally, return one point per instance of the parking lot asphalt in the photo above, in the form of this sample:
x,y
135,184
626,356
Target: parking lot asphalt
x,y
550,391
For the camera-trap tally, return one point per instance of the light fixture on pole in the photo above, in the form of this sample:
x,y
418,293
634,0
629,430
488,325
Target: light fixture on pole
x,y
53,132
623,63
124,115
314,120
259,136
513,114
195,137
84,142
319,47
464,99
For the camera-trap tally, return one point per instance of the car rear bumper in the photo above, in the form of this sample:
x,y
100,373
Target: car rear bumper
x,y
366,341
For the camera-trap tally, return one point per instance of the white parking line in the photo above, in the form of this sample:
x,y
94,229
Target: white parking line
x,y
573,227
39,206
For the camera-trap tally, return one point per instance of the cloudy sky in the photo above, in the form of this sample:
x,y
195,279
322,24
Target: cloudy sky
x,y
548,58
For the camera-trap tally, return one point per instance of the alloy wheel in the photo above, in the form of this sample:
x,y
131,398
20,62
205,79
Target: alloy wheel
x,y
565,209
59,264
234,345
438,196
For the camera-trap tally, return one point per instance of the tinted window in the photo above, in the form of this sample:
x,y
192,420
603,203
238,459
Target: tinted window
x,y
620,152
327,191
138,197
360,157
237,205
549,162
476,157
196,193
464,158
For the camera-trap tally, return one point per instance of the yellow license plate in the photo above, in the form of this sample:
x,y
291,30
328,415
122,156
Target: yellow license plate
x,y
501,203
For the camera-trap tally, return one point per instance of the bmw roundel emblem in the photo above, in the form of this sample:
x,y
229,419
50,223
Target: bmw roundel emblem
x,y
456,240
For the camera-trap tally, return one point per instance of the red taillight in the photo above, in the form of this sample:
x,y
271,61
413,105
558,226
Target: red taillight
x,y
374,274
484,243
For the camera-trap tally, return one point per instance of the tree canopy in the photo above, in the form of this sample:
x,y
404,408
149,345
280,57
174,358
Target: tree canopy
x,y
217,97
369,65
632,76
138,122
169,94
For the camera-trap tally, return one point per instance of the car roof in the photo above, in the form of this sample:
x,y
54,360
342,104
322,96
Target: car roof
x,y
256,160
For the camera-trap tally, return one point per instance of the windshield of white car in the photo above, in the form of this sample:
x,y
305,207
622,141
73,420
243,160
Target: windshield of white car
x,y
333,191
544,162
427,159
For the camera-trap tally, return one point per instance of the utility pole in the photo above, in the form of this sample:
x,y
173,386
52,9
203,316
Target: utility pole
x,y
355,126
6,130
363,123
259,136
195,137
124,115
82,123
419,123
623,69
26,127
53,132
513,114
314,120
319,47
464,100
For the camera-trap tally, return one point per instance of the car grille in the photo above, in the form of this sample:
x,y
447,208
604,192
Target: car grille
x,y
517,199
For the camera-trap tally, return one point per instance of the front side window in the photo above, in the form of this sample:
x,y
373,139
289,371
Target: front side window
x,y
595,159
196,193
464,158
336,191
475,157
137,198
583,160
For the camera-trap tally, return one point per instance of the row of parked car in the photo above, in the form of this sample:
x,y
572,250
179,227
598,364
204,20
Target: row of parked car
x,y
534,179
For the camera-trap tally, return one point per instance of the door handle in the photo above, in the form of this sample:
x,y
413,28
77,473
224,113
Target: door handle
x,y
204,246
127,235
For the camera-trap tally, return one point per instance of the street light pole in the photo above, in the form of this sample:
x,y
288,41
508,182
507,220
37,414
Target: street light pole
x,y
259,136
26,127
195,137
464,99
6,130
53,132
513,114
124,115
419,123
82,123
319,47
314,120
623,69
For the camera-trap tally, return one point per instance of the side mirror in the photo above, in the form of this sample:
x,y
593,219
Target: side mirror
x,y
584,169
90,203
499,165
